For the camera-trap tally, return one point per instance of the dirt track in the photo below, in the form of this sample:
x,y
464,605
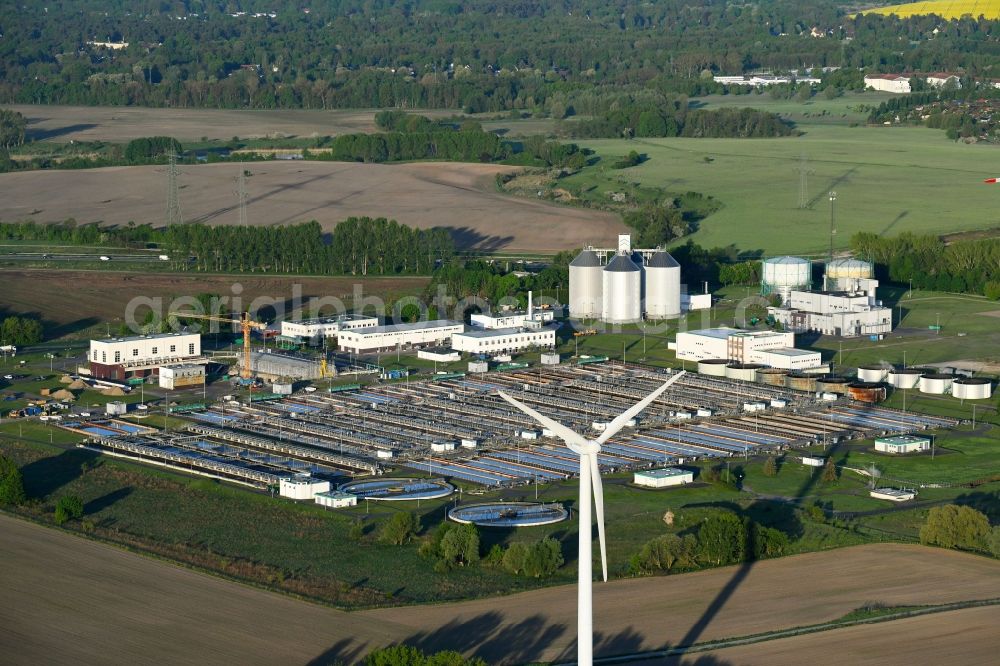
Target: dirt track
x,y
459,196
88,601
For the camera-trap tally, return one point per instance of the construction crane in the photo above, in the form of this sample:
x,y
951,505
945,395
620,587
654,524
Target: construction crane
x,y
246,325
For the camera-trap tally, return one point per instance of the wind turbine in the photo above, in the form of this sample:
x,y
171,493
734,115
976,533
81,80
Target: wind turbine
x,y
590,476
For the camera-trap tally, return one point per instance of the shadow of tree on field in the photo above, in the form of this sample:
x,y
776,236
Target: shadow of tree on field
x,y
44,477
104,501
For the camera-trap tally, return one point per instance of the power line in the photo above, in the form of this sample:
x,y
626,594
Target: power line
x,y
174,215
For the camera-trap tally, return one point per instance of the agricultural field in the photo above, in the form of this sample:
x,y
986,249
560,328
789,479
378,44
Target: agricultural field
x,y
888,180
946,9
199,615
100,298
966,636
462,197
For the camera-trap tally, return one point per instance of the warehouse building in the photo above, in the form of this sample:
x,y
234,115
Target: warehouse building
x,y
385,338
893,83
900,444
663,478
141,355
771,348
505,340
314,331
185,375
302,487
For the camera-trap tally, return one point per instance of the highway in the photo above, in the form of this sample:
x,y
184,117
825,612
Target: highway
x,y
62,256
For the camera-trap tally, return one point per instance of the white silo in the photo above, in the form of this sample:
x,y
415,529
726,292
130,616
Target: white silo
x,y
846,274
622,282
782,275
663,286
585,285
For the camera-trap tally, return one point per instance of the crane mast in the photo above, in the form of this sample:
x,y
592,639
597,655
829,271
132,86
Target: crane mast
x,y
246,325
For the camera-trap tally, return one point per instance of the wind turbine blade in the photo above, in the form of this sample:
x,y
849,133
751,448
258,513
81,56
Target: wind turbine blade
x,y
622,419
564,433
595,478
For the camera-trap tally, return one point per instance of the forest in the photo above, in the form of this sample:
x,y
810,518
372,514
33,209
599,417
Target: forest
x,y
477,55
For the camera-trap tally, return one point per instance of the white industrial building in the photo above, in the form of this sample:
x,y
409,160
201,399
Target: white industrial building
x,y
663,478
302,487
185,375
384,338
314,330
770,348
763,80
942,79
139,355
505,340
513,319
833,313
632,285
894,83
271,366
899,444
336,499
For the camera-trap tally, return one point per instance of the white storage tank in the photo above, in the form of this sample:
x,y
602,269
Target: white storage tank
x,y
586,285
622,281
936,383
849,268
781,275
713,367
907,378
872,373
972,388
663,286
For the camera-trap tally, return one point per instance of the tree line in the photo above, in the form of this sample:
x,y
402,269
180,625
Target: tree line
x,y
356,246
21,331
931,263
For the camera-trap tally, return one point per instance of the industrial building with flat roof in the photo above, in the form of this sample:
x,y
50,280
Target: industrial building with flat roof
x,y
663,478
184,375
899,444
770,348
270,366
314,330
491,341
386,338
119,358
834,313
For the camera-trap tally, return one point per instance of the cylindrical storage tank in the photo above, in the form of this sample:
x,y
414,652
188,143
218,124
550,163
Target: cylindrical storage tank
x,y
906,378
663,286
772,376
746,372
936,383
972,388
622,281
799,382
714,367
585,285
849,268
781,275
872,373
832,384
866,391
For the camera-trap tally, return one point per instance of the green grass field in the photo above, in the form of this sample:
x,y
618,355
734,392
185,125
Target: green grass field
x,y
888,180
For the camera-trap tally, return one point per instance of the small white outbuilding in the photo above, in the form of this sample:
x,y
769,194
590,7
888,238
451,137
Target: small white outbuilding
x,y
663,478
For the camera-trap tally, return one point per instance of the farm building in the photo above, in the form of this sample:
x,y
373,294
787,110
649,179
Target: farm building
x,y
335,499
902,444
119,358
302,487
385,338
314,330
663,478
491,341
770,348
185,375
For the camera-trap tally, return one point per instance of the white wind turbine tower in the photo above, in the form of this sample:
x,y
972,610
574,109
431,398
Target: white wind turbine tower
x,y
590,476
